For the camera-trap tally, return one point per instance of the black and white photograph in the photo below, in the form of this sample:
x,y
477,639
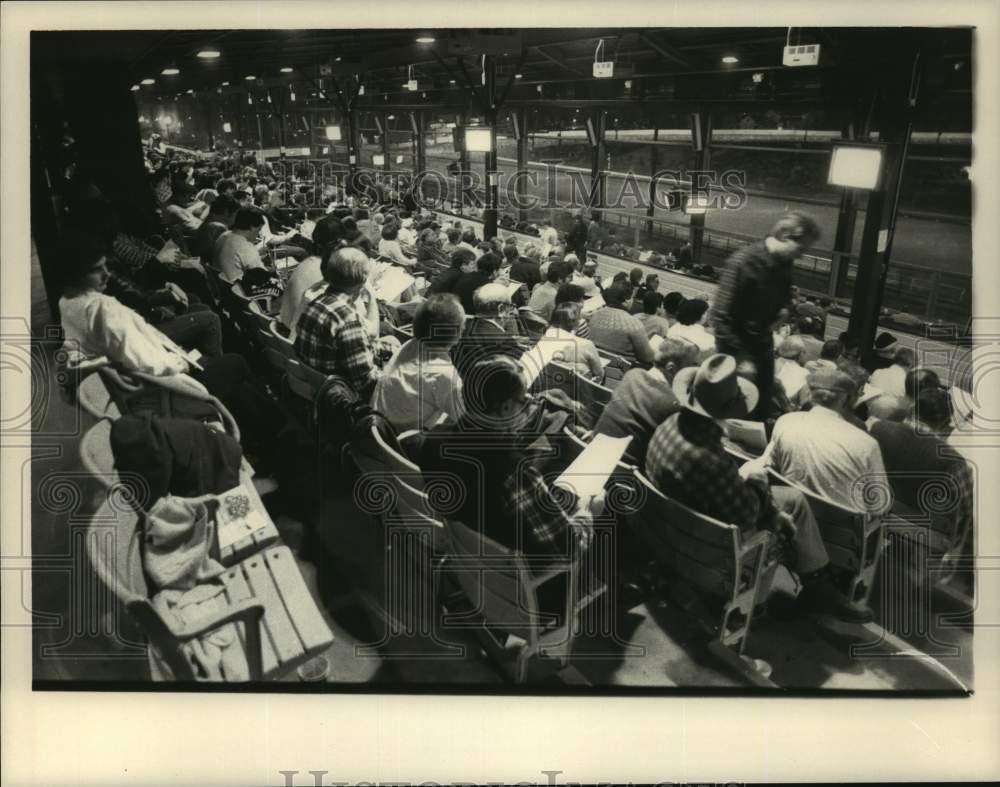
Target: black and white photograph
x,y
557,360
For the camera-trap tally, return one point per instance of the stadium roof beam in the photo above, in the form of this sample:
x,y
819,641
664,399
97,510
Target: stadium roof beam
x,y
561,63
666,50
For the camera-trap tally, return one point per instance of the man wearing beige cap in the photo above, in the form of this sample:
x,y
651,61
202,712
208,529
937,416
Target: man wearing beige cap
x,y
687,461
824,453
788,367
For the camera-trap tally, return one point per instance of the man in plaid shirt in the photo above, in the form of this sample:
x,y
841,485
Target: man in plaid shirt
x,y
686,461
498,489
330,336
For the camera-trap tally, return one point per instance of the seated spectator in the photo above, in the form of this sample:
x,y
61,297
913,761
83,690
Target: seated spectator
x,y
852,351
832,350
652,315
513,505
671,304
613,329
572,293
560,343
652,284
175,215
644,398
917,380
819,450
884,352
690,325
918,458
420,386
390,248
469,239
454,237
304,279
236,250
686,460
488,332
522,269
430,255
330,336
96,325
788,369
220,218
588,279
543,297
487,269
462,261
886,407
892,379
810,331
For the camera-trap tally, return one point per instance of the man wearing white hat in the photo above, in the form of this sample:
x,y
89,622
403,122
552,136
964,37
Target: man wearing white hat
x,y
687,461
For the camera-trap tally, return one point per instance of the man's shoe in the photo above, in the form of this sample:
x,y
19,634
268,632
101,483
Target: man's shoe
x,y
821,596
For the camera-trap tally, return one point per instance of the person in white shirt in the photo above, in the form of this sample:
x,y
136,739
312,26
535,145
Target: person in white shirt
x,y
587,277
690,325
560,343
419,387
236,251
821,451
407,237
892,380
788,368
306,275
390,248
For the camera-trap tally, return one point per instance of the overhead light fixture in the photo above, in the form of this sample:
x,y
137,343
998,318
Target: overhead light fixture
x,y
451,81
148,81
209,54
249,77
169,72
425,40
225,84
730,59
758,78
134,88
190,91
336,60
697,205
391,117
518,76
478,139
856,166
287,70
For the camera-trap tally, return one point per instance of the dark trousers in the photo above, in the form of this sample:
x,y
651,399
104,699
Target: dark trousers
x,y
200,329
761,355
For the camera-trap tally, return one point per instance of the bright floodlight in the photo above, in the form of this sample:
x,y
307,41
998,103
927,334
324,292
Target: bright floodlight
x,y
425,40
333,133
697,205
478,139
209,54
730,59
134,87
399,159
169,72
378,160
249,77
148,81
287,70
856,166
227,127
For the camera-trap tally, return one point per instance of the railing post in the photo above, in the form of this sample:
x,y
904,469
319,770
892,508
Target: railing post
x,y
932,299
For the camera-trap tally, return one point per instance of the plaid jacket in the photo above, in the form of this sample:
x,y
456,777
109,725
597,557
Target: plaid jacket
x,y
686,461
330,338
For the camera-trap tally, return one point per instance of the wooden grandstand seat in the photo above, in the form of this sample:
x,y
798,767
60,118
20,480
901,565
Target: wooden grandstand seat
x,y
853,538
500,587
93,396
712,557
399,561
592,395
279,624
